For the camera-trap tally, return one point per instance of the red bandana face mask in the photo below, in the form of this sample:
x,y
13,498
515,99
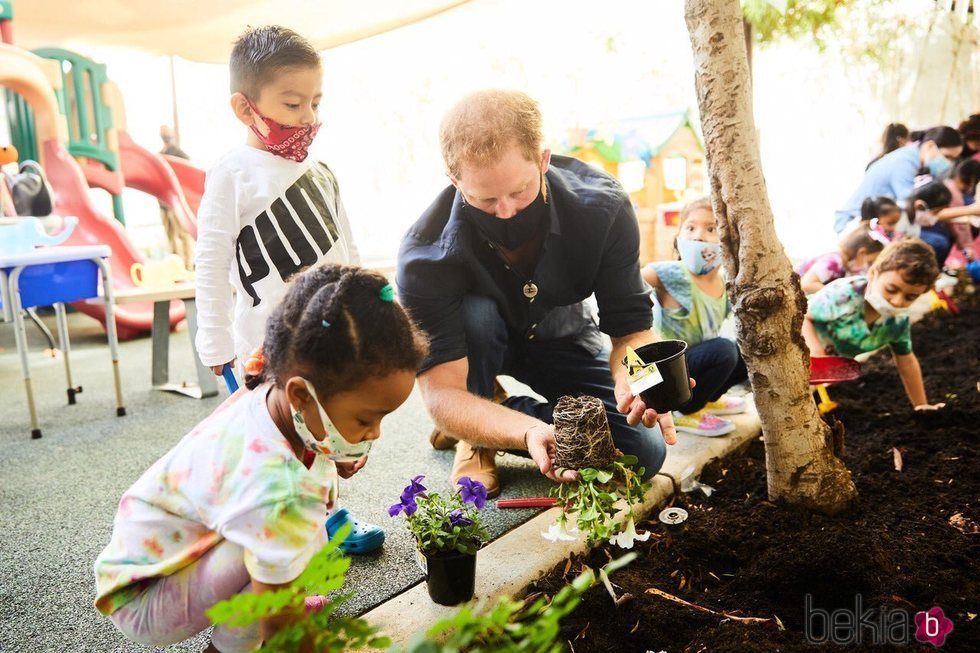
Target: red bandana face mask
x,y
288,142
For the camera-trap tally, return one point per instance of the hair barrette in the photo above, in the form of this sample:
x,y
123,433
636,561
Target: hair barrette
x,y
387,293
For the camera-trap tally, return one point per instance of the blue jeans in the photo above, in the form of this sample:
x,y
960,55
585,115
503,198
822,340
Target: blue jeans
x,y
552,369
716,365
940,239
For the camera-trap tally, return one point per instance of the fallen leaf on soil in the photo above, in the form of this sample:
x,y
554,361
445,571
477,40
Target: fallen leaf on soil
x,y
897,458
618,600
970,616
964,525
713,613
898,599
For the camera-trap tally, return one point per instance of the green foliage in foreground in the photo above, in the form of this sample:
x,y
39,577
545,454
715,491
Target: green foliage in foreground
x,y
508,626
325,573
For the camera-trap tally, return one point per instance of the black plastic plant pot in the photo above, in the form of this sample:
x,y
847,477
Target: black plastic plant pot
x,y
671,359
450,578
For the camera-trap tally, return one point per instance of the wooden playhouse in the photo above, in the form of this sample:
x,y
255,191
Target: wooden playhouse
x,y
660,161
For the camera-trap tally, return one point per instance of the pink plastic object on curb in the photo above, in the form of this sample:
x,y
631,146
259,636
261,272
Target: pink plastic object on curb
x,y
315,603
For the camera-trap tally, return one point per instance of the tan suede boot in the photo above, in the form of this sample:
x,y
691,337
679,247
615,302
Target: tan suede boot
x,y
479,464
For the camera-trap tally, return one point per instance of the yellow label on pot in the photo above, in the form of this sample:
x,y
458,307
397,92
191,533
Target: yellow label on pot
x,y
643,376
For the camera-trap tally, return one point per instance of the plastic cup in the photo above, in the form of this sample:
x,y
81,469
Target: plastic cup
x,y
671,359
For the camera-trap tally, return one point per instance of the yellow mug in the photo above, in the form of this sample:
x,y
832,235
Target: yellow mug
x,y
160,274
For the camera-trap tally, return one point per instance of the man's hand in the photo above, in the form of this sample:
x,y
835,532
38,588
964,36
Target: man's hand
x,y
348,469
542,447
220,369
636,411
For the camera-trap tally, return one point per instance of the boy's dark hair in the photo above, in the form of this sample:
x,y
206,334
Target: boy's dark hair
x,y
912,259
934,195
337,326
261,52
968,171
858,239
873,207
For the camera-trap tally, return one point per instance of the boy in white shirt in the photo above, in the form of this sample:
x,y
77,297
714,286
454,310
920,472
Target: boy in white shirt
x,y
268,211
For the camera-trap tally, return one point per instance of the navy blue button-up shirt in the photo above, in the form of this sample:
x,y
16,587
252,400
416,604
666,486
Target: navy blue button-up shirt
x,y
592,247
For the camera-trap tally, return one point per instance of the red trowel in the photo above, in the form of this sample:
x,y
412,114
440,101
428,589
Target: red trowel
x,y
831,369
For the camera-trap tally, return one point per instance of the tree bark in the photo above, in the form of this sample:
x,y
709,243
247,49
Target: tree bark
x,y
769,304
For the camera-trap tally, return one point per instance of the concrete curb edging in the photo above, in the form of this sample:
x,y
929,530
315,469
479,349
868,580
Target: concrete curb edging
x,y
509,564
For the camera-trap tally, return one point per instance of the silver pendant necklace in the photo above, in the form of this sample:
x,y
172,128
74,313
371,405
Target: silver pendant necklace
x,y
530,290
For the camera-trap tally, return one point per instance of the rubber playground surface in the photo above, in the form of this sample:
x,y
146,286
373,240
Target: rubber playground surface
x,y
59,493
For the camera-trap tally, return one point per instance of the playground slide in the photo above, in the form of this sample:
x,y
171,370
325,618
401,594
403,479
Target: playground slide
x,y
150,173
71,198
191,180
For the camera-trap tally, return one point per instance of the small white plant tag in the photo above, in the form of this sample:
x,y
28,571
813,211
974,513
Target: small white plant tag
x,y
643,376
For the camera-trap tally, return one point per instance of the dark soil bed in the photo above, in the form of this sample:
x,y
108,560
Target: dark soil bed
x,y
896,549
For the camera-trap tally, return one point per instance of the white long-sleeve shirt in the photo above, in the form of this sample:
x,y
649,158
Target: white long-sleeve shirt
x,y
262,219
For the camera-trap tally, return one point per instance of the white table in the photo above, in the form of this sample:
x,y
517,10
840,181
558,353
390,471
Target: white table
x,y
161,297
55,276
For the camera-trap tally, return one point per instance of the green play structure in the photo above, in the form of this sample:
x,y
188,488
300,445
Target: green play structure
x,y
81,101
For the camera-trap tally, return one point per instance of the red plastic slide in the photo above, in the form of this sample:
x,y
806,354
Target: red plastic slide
x,y
150,173
71,198
191,180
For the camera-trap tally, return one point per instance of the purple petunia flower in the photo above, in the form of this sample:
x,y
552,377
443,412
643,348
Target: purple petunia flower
x,y
457,518
408,506
471,491
414,488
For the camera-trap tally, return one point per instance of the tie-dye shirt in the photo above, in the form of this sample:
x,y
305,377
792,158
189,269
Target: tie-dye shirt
x,y
699,316
234,477
837,311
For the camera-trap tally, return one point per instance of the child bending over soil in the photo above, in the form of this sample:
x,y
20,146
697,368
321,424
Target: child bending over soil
x,y
858,250
859,314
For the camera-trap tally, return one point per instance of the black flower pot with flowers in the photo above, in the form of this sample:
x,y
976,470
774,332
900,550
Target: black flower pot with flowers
x,y
448,533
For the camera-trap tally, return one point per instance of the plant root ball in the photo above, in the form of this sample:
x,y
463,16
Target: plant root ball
x,y
582,434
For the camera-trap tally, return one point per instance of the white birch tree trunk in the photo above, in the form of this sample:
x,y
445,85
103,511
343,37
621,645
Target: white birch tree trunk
x,y
769,304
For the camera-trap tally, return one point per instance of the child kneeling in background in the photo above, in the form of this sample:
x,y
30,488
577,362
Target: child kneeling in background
x,y
858,250
690,304
860,314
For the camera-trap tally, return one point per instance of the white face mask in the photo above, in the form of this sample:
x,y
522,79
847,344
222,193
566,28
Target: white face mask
x,y
336,448
882,305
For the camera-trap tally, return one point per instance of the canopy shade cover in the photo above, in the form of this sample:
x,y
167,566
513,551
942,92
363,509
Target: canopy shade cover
x,y
204,30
